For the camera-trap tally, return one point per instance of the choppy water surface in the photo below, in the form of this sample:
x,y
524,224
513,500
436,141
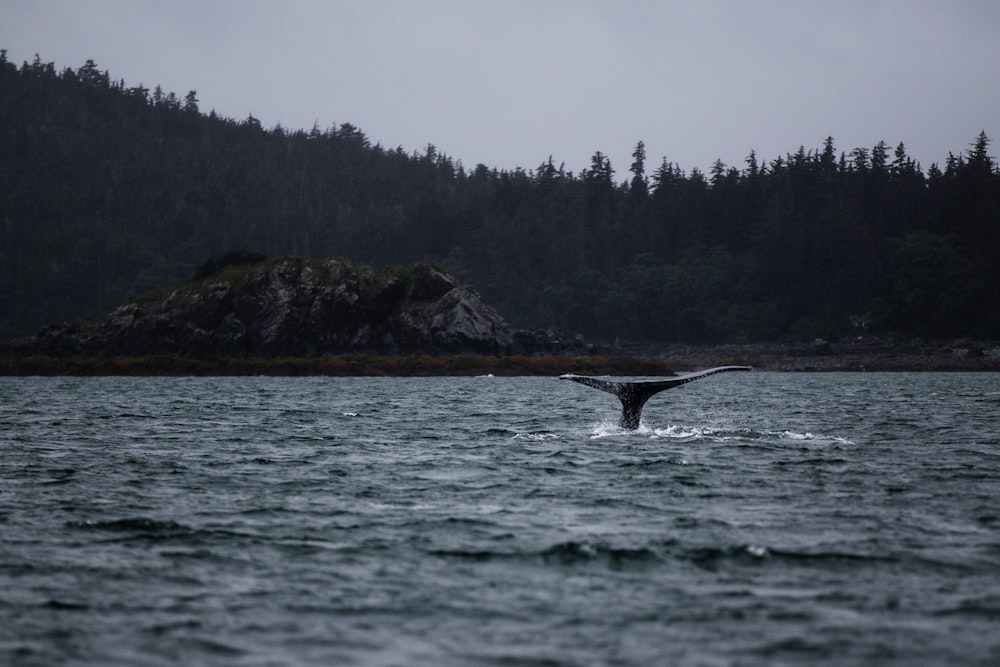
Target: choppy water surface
x,y
756,518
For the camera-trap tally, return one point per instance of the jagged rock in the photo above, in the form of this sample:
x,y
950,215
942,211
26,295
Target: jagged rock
x,y
292,307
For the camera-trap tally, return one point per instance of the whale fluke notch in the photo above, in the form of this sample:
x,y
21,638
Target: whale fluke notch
x,y
634,395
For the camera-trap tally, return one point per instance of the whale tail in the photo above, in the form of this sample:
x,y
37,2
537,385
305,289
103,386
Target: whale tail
x,y
633,395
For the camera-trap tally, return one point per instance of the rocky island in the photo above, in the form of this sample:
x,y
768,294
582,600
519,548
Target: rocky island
x,y
246,314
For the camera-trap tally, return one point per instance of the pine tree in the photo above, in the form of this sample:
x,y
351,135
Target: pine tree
x,y
639,188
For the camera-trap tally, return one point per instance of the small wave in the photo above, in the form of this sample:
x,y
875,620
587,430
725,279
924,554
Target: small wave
x,y
469,555
66,606
983,608
606,429
815,461
350,414
563,554
536,437
569,553
61,476
139,528
794,645
193,554
681,433
650,463
676,432
710,558
137,524
793,435
215,647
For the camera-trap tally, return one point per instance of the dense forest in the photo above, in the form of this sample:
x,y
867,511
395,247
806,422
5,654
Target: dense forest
x,y
109,191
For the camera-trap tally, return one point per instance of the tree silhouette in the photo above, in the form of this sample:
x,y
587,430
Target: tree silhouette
x,y
110,190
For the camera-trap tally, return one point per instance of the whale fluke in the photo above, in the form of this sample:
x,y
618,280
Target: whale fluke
x,y
634,395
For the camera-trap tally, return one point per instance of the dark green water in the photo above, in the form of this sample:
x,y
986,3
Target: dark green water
x,y
755,519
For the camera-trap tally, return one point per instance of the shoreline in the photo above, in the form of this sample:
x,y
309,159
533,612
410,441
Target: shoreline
x,y
852,355
845,363
465,365
333,366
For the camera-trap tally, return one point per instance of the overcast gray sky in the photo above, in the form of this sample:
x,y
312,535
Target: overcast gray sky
x,y
509,82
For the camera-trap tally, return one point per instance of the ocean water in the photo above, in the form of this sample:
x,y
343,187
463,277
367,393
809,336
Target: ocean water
x,y
754,519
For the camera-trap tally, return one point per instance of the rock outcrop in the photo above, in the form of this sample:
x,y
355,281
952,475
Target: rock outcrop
x,y
297,308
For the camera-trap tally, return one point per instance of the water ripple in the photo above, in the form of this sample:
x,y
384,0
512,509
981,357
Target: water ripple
x,y
754,519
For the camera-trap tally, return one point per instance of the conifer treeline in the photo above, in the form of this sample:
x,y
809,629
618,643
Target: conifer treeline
x,y
110,190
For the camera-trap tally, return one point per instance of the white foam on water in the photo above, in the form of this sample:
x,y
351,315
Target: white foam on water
x,y
608,428
536,437
680,432
793,435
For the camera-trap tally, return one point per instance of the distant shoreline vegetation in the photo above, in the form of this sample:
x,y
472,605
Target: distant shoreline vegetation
x,y
365,365
338,366
111,191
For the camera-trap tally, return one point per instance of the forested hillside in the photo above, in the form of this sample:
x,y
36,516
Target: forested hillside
x,y
110,190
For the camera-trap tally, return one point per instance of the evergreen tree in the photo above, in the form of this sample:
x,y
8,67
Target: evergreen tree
x,y
639,187
111,190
